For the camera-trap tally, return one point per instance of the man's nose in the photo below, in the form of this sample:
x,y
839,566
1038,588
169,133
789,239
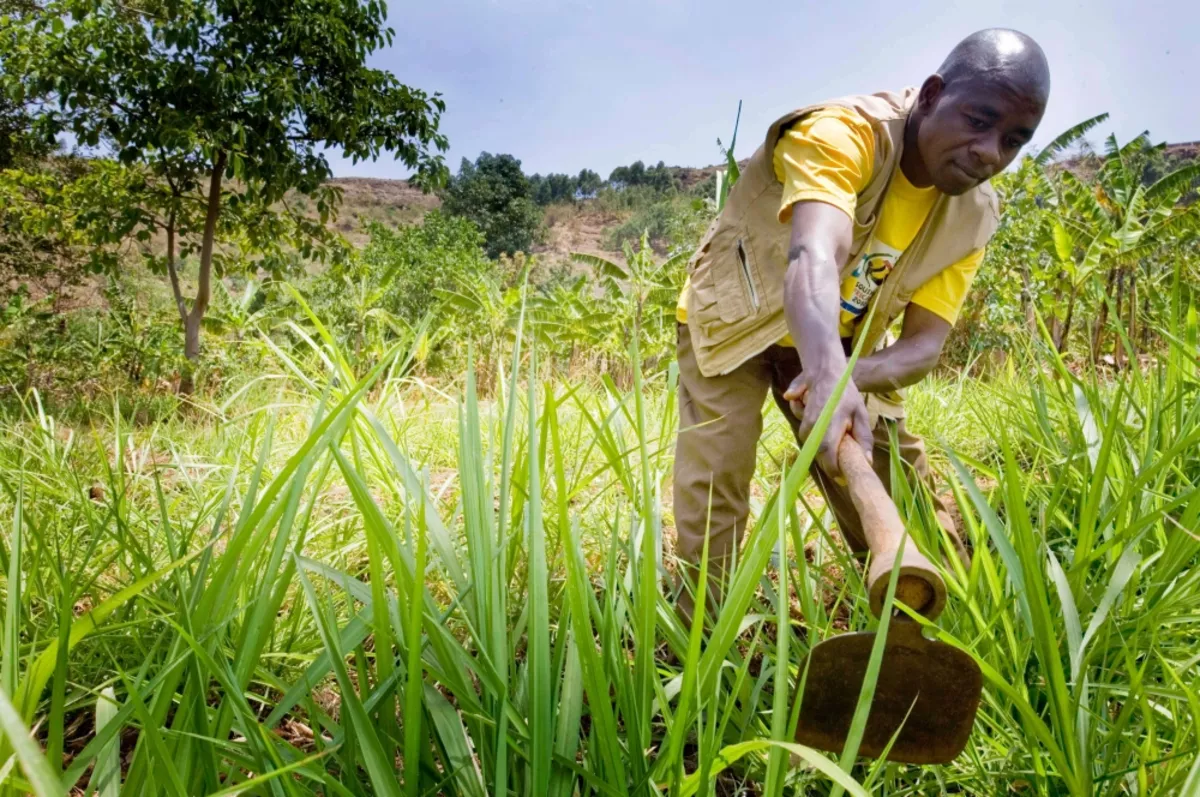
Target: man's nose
x,y
986,151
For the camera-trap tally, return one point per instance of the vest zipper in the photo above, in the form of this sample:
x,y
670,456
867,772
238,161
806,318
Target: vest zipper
x,y
741,251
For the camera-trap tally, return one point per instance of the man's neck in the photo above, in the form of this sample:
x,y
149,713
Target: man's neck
x,y
910,159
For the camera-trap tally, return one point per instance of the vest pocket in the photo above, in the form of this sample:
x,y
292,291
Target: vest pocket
x,y
747,276
735,280
727,289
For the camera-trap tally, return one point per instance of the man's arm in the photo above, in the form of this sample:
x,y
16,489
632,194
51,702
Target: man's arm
x,y
909,359
820,242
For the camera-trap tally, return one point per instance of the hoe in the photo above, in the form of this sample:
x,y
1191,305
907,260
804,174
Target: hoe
x,y
927,692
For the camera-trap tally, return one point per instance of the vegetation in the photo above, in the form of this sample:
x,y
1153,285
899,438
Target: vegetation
x,y
387,289
402,530
564,188
195,91
235,605
1080,241
673,224
496,195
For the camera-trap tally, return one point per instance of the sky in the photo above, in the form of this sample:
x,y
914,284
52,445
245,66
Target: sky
x,y
600,83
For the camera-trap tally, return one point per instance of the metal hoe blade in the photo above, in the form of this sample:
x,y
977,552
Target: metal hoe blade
x,y
930,688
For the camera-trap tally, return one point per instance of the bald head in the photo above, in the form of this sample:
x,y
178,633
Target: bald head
x,y
1003,56
977,111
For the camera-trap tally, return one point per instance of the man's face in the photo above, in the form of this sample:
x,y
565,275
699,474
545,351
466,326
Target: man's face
x,y
973,129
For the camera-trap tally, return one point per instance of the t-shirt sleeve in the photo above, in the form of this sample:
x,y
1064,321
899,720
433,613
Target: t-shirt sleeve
x,y
828,157
945,293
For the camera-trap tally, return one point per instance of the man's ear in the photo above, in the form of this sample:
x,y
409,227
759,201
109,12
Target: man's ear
x,y
930,91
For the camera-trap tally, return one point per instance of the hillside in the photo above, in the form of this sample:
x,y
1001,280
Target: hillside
x,y
579,227
368,199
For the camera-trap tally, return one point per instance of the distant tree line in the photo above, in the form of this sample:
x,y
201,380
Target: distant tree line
x,y
505,203
556,187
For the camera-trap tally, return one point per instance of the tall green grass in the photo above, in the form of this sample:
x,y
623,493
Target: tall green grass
x,y
352,583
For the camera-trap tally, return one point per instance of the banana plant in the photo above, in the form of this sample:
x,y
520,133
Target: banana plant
x,y
573,318
238,315
486,313
643,292
1104,233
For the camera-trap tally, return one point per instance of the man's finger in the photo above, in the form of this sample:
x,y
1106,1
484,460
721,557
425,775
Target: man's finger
x,y
839,427
827,456
796,392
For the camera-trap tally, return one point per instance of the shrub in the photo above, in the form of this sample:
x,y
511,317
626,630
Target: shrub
x,y
672,224
393,282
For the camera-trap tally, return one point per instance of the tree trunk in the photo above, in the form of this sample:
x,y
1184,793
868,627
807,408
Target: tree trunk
x,y
1061,343
1133,310
1119,345
173,272
191,325
1027,300
1102,319
191,337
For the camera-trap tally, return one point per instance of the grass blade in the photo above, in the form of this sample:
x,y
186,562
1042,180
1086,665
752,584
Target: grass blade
x,y
380,770
41,776
106,777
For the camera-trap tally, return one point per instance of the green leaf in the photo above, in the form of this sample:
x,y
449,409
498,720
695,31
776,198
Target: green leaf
x,y
381,771
45,783
106,777
43,668
1064,244
1067,138
1175,183
731,754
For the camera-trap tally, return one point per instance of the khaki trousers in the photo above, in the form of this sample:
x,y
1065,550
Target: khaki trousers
x,y
720,422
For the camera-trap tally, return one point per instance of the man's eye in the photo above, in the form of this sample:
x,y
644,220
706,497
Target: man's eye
x,y
1013,143
976,122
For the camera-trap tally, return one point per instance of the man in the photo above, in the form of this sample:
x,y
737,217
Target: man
x,y
877,201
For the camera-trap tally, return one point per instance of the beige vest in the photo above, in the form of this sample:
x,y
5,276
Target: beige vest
x,y
735,294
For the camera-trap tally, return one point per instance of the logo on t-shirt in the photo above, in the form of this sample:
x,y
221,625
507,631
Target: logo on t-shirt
x,y
873,267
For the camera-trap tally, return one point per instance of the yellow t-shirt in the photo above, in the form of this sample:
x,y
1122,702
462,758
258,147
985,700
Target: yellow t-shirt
x,y
828,157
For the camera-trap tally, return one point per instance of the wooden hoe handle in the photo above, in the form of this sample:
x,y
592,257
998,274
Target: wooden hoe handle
x,y
919,585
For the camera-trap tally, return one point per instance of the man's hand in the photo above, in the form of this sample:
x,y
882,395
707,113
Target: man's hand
x,y
808,396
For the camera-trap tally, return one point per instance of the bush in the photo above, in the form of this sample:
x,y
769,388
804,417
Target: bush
x,y
672,224
616,202
393,282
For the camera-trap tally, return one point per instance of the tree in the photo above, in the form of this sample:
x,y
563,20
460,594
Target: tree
x,y
231,106
588,183
659,178
15,139
57,215
552,188
562,187
18,140
628,176
494,193
538,189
